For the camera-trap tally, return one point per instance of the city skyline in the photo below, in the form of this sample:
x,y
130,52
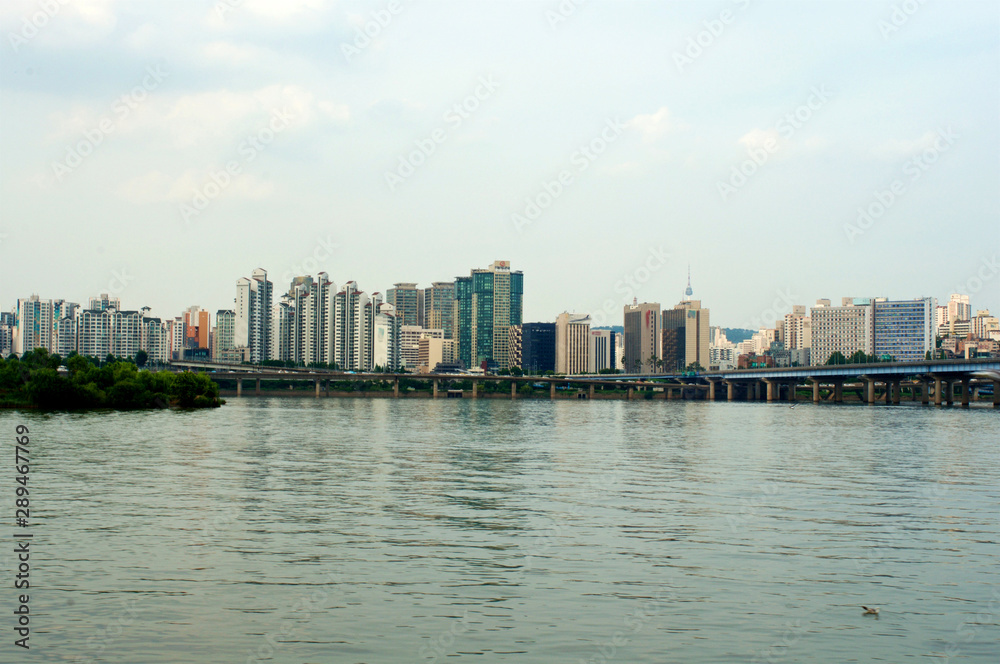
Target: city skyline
x,y
268,134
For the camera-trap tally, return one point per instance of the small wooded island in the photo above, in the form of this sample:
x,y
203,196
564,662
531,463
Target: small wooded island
x,y
36,381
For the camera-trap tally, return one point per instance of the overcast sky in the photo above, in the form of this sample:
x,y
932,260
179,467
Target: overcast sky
x,y
119,119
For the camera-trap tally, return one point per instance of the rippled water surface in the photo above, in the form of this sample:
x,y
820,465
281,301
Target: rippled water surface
x,y
354,530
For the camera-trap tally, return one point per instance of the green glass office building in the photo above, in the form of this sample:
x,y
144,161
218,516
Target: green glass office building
x,y
487,303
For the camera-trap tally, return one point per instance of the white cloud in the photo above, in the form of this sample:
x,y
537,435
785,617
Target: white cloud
x,y
157,187
900,149
760,138
654,126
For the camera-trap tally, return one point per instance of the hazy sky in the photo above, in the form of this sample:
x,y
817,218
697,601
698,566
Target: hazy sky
x,y
405,156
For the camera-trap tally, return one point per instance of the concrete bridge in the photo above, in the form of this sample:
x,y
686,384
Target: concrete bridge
x,y
936,378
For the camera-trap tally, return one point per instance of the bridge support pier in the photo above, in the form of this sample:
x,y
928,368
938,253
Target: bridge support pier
x,y
239,387
770,390
475,389
937,391
791,391
316,381
925,397
434,391
996,394
630,390
965,392
395,388
949,392
552,390
257,388
513,389
730,390
838,392
711,390
815,383
871,390
897,389
591,396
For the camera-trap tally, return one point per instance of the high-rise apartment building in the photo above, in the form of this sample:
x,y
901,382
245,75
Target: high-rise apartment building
x,y
697,333
197,327
313,319
572,343
795,330
386,339
282,323
959,307
47,324
845,329
354,321
104,301
487,303
223,340
642,337
904,329
254,315
439,307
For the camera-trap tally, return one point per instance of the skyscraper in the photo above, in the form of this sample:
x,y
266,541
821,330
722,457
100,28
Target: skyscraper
x,y
439,307
487,303
642,337
572,343
408,301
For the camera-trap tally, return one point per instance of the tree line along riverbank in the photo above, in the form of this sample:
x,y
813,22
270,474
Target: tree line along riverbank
x,y
36,381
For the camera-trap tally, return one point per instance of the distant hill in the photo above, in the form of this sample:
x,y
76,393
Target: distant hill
x,y
737,334
617,329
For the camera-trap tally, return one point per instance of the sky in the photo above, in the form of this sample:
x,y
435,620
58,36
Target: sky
x,y
784,151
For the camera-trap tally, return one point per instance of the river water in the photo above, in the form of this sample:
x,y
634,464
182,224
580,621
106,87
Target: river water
x,y
379,530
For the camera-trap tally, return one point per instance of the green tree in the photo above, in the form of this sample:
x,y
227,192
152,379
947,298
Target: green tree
x,y
836,357
694,366
141,358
